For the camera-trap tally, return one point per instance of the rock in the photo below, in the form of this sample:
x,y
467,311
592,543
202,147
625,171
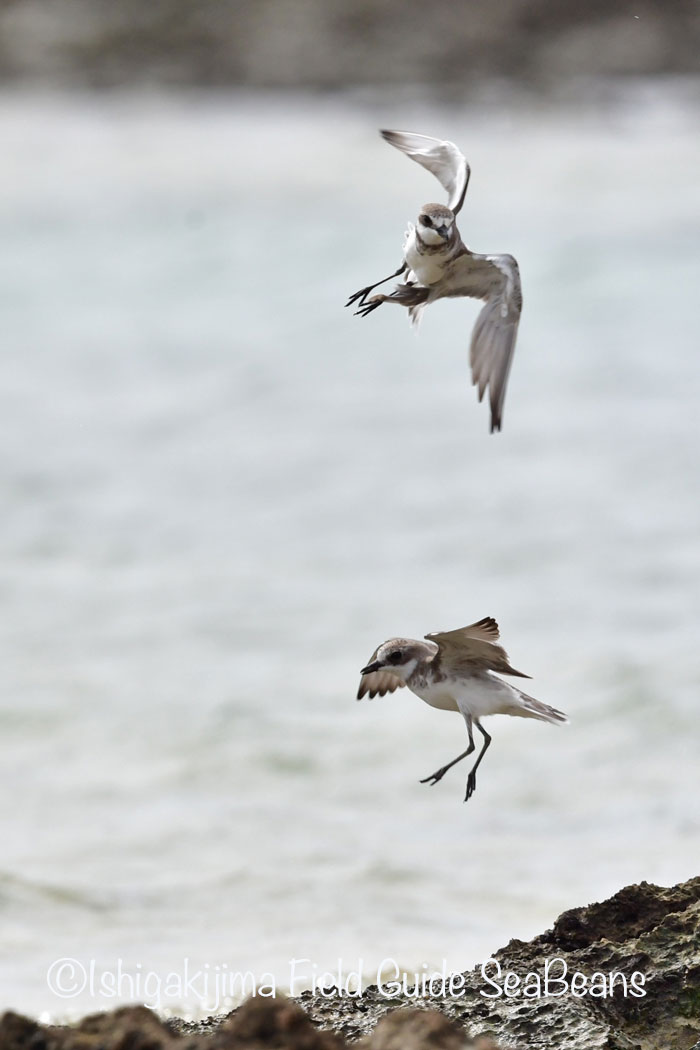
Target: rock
x,y
128,1028
649,929
20,1033
415,1029
278,1024
644,928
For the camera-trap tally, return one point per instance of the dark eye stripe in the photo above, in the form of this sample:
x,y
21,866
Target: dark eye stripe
x,y
425,220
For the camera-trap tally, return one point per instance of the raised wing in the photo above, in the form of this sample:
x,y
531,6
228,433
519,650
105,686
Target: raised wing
x,y
473,648
496,279
378,683
484,630
440,157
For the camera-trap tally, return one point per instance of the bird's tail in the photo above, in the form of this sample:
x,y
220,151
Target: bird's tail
x,y
415,313
532,708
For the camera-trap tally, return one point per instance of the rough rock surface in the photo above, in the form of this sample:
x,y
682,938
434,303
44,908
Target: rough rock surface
x,y
645,928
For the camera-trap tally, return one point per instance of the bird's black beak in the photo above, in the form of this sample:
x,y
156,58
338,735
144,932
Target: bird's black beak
x,y
371,667
444,233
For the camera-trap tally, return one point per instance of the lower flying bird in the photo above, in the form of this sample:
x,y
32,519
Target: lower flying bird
x,y
438,265
453,670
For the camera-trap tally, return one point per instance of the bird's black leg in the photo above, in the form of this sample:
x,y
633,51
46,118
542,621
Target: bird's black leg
x,y
471,779
359,297
434,778
403,295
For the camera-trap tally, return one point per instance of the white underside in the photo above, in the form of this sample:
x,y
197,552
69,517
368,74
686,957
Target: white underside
x,y
428,269
478,697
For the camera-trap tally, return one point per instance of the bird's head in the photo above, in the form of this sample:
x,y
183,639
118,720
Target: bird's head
x,y
399,655
436,224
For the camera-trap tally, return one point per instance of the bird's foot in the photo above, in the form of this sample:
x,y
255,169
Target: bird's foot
x,y
373,303
471,786
435,778
359,297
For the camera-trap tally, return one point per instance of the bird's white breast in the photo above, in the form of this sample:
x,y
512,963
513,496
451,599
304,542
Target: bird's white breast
x,y
437,694
477,695
428,269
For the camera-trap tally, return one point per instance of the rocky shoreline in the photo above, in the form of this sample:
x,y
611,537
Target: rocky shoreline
x,y
595,1002
315,45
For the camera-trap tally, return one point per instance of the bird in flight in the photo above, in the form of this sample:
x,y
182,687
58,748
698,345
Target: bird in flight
x,y
454,671
438,265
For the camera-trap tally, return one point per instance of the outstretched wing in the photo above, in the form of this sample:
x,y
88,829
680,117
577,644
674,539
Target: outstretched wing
x,y
442,158
378,683
473,648
496,279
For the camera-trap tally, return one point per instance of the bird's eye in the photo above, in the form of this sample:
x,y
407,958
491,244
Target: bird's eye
x,y
395,657
425,220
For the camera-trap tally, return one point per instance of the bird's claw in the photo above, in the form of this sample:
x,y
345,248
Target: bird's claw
x,y
359,296
367,308
471,786
434,778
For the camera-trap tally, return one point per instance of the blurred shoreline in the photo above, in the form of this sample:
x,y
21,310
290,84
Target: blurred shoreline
x,y
675,98
311,44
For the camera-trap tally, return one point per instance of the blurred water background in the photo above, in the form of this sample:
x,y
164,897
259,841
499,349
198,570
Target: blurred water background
x,y
221,491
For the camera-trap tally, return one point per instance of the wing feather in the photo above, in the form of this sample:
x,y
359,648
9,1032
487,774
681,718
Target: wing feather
x,y
378,683
473,648
484,630
496,279
440,157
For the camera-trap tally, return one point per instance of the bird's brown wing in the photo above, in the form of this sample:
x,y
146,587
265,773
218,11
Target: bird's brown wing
x,y
473,648
496,279
485,629
378,683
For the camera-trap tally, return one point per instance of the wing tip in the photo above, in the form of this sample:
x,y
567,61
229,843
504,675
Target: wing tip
x,y
487,624
557,718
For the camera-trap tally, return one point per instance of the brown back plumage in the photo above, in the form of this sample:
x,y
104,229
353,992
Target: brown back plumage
x,y
472,648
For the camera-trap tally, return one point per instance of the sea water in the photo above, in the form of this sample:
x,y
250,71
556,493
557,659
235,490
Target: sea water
x,y
221,491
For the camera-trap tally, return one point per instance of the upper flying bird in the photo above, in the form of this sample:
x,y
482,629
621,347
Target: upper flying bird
x,y
453,670
438,265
